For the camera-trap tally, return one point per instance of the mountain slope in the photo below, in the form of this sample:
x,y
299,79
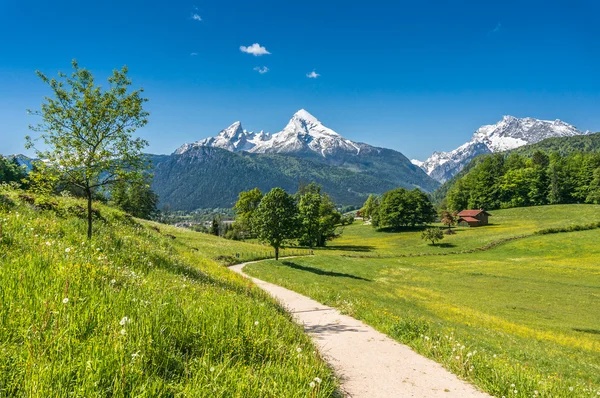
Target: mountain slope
x,y
509,133
208,177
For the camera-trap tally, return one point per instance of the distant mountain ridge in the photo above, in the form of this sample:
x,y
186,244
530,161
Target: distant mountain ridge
x,y
303,134
509,133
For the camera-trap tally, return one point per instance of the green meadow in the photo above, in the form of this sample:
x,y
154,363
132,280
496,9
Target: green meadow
x,y
137,311
521,319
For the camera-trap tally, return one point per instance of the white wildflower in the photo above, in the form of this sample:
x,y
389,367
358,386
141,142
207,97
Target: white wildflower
x,y
255,323
299,349
318,380
48,243
123,332
67,250
212,369
124,321
312,384
65,300
113,281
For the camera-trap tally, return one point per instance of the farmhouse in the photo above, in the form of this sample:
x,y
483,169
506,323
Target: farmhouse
x,y
473,218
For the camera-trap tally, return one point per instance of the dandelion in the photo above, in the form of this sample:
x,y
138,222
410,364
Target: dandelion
x,y
570,388
255,323
516,391
67,250
123,332
299,349
512,385
318,380
457,357
495,355
535,392
113,281
312,384
48,243
124,321
65,300
470,354
426,337
212,369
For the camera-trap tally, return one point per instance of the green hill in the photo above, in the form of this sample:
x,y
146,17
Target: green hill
x,y
136,311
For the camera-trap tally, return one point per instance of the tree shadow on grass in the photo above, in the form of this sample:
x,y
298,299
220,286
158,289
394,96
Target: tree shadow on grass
x,y
445,245
321,272
349,248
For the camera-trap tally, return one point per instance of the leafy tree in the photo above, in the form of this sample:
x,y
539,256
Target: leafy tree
x,y
370,207
245,208
215,226
594,188
433,235
448,218
403,208
329,218
11,171
88,131
309,208
275,220
137,198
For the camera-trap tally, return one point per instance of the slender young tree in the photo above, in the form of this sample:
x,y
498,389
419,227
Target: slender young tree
x,y
88,131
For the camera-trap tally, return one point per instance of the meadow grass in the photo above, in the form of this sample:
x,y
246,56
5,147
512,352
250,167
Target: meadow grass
x,y
519,320
133,312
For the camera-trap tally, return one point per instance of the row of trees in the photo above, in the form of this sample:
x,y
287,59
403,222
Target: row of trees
x,y
516,181
276,218
399,208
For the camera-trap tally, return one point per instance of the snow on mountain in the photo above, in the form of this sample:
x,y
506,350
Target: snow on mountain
x,y
303,133
234,138
509,133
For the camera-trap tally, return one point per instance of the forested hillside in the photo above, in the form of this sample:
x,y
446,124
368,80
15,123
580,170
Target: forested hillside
x,y
213,177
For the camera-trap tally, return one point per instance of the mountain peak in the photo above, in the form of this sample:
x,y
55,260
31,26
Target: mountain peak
x,y
303,114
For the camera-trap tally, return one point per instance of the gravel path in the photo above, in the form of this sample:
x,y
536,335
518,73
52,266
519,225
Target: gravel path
x,y
368,363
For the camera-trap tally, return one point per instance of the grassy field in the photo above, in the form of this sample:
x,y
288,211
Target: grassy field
x,y
519,320
134,312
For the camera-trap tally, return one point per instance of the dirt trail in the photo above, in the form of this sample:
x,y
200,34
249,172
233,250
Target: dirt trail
x,y
368,363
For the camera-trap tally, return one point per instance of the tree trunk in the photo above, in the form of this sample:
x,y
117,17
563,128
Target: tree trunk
x,y
277,253
89,213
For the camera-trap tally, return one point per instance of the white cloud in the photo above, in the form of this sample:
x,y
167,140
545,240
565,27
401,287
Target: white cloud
x,y
496,29
193,54
196,17
261,70
255,49
312,75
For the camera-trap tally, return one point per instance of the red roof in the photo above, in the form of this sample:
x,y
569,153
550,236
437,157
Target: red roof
x,y
471,213
468,219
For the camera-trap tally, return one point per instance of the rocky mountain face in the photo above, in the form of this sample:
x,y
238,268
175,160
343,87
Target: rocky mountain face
x,y
509,133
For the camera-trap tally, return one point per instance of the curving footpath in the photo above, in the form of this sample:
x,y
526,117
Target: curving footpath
x,y
368,363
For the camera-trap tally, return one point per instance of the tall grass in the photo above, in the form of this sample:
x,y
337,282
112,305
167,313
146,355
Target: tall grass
x,y
132,313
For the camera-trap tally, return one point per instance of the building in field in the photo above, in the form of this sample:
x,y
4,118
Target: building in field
x,y
473,218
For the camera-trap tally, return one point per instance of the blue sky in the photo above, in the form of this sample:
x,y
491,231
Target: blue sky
x,y
415,76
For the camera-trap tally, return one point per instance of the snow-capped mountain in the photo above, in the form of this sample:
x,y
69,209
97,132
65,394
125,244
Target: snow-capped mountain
x,y
234,138
509,133
304,133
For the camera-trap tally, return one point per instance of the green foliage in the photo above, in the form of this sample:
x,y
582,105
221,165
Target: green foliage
x,y
402,208
517,181
11,171
432,235
318,217
245,208
136,198
88,131
370,207
448,218
276,219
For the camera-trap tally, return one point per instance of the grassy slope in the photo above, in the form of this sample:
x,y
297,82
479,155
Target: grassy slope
x,y
530,308
192,327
